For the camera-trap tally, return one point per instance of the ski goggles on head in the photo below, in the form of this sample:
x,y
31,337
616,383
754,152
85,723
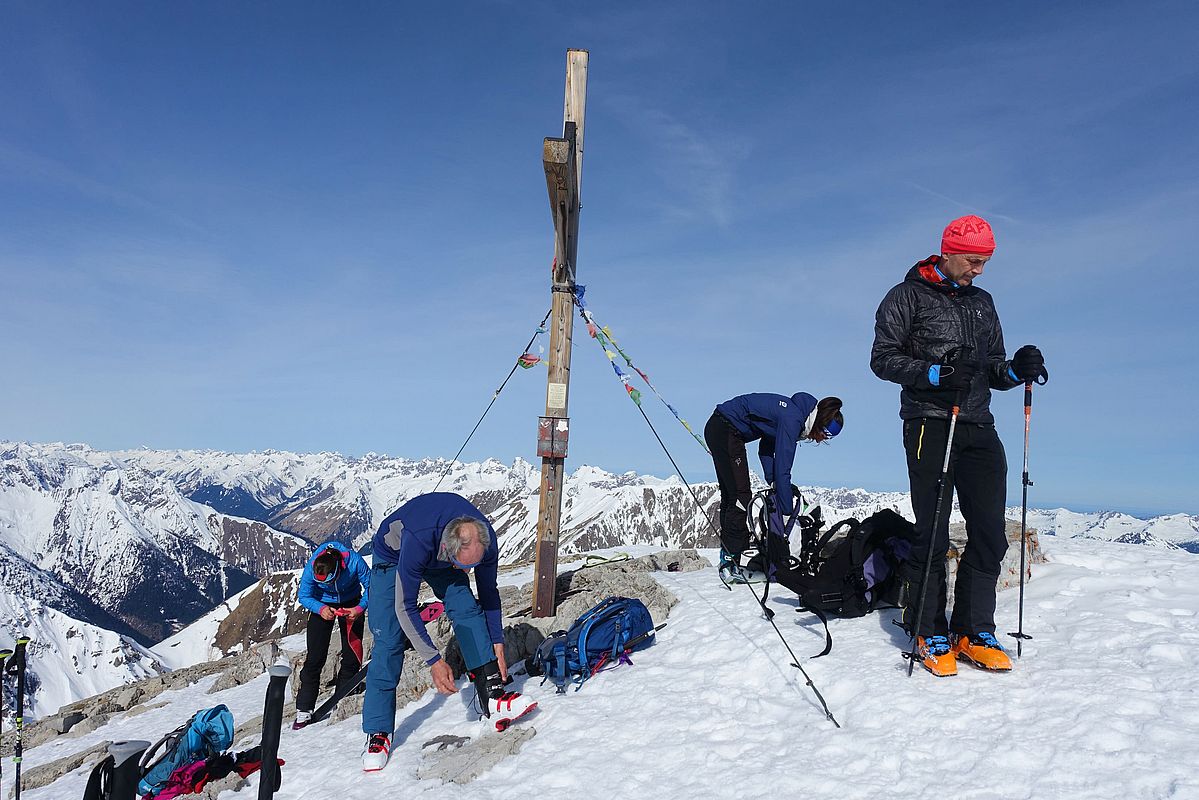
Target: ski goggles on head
x,y
832,429
322,569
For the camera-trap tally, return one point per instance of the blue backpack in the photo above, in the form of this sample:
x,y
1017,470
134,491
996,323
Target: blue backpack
x,y
599,639
208,733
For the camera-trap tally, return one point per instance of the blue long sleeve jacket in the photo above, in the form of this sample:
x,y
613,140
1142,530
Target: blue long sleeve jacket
x,y
348,583
779,422
410,538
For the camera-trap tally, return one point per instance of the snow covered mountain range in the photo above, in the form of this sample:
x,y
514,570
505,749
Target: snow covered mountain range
x,y
141,543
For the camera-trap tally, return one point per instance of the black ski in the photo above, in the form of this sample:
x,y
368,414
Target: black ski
x,y
343,691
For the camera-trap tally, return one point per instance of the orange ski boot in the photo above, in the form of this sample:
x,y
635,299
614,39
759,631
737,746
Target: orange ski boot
x,y
936,656
982,650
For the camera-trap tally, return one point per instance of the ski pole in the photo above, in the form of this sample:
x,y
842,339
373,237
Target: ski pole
x,y
272,720
1019,635
768,613
4,656
16,665
928,557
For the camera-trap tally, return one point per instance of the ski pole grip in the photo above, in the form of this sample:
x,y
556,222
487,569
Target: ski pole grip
x,y
126,772
272,721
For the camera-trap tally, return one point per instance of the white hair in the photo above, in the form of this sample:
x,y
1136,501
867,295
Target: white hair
x,y
451,536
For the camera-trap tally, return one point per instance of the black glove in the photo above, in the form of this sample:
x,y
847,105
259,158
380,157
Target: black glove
x,y
1028,363
957,374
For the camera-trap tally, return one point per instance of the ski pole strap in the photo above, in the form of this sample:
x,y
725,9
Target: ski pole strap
x,y
828,637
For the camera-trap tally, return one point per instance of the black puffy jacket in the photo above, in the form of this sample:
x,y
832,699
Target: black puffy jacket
x,y
923,319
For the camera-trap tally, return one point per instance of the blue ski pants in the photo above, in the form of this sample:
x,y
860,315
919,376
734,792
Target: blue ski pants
x,y
452,587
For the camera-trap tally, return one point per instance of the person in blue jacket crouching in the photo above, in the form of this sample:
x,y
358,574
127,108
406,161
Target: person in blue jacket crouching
x,y
436,538
334,588
778,423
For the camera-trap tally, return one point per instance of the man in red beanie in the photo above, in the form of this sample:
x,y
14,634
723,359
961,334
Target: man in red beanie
x,y
938,336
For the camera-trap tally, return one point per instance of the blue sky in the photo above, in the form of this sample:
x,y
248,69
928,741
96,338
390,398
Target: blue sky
x,y
324,226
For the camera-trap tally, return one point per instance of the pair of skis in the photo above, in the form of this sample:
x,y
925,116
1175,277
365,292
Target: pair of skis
x,y
12,662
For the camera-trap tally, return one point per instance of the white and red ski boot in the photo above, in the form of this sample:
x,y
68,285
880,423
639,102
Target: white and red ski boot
x,y
376,752
500,707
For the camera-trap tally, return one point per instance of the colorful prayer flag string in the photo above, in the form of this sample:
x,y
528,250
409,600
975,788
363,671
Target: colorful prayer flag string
x,y
529,359
603,335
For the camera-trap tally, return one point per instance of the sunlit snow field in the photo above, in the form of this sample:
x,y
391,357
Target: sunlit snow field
x,y
1102,705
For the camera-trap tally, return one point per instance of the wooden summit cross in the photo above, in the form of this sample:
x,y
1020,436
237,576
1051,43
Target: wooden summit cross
x,y
563,162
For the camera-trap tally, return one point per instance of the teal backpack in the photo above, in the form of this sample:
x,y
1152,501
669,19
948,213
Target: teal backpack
x,y
208,733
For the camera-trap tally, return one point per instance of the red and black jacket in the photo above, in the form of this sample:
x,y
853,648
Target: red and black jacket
x,y
918,323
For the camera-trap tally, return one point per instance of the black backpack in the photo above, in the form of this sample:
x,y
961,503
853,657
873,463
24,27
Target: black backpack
x,y
853,567
849,570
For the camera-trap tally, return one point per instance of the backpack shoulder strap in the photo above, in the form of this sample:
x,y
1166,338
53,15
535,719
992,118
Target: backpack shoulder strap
x,y
860,537
828,637
825,538
153,756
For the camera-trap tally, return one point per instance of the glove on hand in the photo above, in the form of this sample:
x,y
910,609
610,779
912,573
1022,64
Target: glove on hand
x,y
957,374
1028,364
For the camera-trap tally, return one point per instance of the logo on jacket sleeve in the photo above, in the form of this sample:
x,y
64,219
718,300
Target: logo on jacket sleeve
x,y
783,403
394,531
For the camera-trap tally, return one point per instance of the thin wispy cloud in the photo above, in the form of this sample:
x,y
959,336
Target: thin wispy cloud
x,y
29,166
694,170
984,212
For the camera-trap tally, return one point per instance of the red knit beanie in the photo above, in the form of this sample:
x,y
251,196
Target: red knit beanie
x,y
969,234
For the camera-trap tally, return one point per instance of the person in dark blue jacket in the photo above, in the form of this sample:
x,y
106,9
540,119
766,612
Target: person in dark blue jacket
x,y
778,423
437,539
333,586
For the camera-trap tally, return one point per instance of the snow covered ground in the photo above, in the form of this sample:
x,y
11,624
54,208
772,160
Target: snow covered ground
x,y
1102,705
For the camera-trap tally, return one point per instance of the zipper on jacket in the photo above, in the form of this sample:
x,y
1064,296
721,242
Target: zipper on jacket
x,y
966,323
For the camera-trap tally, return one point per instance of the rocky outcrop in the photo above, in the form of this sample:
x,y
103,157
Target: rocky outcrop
x,y
89,714
1009,575
464,760
46,774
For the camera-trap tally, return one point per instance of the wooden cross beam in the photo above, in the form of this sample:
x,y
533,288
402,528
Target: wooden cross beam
x,y
562,159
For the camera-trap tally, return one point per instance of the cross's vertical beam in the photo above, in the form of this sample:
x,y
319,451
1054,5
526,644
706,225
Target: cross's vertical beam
x,y
562,159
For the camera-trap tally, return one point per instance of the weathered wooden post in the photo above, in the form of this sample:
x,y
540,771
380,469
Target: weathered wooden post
x,y
563,162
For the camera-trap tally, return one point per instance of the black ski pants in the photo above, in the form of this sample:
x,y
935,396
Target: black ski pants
x,y
732,473
978,472
320,630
